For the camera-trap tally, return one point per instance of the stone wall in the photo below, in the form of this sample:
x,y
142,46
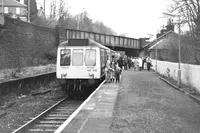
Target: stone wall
x,y
189,73
24,44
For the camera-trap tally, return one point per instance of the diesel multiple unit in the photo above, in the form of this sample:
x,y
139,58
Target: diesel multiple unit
x,y
81,62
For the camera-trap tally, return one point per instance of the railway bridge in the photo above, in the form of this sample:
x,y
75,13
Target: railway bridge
x,y
130,46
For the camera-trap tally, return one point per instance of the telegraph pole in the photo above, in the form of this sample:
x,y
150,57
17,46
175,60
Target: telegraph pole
x,y
179,47
29,10
44,7
156,56
2,7
179,53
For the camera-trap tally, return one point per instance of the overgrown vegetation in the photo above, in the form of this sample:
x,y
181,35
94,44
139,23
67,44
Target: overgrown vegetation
x,y
188,14
59,15
185,13
169,51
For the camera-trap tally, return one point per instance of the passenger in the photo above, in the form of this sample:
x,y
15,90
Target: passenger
x,y
140,63
125,62
113,67
107,71
120,62
129,63
123,66
144,62
135,64
148,60
118,72
132,62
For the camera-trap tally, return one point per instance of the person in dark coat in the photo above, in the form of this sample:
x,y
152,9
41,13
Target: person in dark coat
x,y
143,61
113,67
125,62
120,62
129,62
118,71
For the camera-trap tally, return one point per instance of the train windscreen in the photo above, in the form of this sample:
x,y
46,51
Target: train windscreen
x,y
77,57
90,57
65,57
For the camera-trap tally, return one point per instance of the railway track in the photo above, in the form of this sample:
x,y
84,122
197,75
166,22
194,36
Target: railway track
x,y
51,119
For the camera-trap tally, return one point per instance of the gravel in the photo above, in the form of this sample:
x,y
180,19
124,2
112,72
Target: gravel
x,y
21,108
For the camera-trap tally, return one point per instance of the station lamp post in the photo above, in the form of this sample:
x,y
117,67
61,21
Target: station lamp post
x,y
179,47
156,55
29,11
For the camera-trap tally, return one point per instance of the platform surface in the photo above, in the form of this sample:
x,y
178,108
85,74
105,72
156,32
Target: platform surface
x,y
141,103
96,115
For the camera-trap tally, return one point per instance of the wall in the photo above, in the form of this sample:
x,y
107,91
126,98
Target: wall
x,y
189,73
24,44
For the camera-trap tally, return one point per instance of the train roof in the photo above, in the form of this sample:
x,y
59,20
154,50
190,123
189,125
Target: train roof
x,y
81,42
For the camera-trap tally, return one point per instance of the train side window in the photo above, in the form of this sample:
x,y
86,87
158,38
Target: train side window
x,y
77,57
90,57
65,57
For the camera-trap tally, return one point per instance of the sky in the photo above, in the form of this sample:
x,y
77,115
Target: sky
x,y
135,18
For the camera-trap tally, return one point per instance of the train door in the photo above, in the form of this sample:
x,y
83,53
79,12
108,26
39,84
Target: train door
x,y
103,60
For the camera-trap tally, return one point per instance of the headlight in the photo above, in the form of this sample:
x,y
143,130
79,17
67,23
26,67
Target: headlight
x,y
63,75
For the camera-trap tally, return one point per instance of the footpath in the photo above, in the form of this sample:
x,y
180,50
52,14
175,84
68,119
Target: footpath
x,y
140,103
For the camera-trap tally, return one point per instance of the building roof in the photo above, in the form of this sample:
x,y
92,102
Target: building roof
x,y
156,41
11,3
165,42
153,46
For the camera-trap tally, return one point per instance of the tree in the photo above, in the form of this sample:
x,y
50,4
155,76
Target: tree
x,y
58,12
189,13
102,28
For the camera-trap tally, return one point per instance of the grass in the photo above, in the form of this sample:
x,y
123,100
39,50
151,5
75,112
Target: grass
x,y
187,88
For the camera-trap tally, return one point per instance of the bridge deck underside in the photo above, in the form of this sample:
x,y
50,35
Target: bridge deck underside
x,y
107,40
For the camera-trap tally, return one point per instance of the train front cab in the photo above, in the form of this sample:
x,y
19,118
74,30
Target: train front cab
x,y
80,65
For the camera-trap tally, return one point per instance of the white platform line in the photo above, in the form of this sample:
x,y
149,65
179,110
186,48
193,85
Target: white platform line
x,y
60,129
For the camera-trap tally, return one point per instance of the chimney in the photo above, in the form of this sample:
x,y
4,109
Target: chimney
x,y
22,1
170,25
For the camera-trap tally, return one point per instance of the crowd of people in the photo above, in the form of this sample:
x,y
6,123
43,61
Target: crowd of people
x,y
115,66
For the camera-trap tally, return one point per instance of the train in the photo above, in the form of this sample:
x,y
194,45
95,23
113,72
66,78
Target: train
x,y
81,63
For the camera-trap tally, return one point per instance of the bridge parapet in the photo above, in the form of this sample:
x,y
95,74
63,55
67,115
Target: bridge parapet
x,y
107,40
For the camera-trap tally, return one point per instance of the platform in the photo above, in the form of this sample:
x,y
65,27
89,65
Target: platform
x,y
140,103
96,115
